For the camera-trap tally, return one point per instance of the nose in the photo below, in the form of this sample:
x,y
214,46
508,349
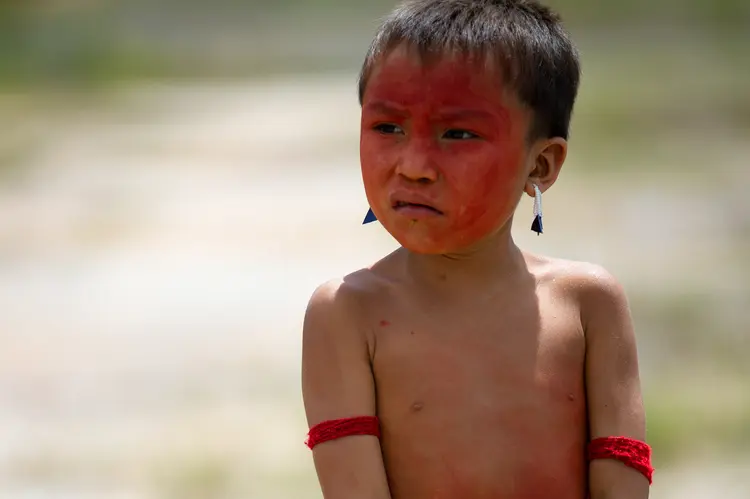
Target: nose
x,y
417,164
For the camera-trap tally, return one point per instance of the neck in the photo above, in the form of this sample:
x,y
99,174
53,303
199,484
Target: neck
x,y
494,259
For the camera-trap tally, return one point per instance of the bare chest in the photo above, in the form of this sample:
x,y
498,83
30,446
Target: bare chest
x,y
463,397
506,357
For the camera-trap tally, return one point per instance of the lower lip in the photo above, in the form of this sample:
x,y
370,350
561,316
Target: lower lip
x,y
416,212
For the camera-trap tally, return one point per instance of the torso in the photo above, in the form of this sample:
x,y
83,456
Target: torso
x,y
480,400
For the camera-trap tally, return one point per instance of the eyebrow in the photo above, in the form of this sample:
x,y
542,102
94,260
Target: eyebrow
x,y
384,107
451,114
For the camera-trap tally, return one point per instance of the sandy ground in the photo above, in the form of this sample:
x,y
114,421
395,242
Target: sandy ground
x,y
155,262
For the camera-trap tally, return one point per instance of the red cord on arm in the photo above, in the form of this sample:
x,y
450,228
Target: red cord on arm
x,y
339,428
630,452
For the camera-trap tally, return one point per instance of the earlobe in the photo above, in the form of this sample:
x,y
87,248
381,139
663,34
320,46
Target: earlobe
x,y
548,163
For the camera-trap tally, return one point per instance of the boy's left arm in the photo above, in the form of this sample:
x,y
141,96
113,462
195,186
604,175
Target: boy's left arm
x,y
615,404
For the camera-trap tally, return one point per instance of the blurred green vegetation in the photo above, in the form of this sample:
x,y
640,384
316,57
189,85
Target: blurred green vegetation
x,y
680,426
65,42
648,67
193,477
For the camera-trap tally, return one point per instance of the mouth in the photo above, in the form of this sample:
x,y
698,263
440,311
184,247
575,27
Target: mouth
x,y
405,206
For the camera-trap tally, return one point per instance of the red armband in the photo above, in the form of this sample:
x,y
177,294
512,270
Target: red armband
x,y
339,428
630,452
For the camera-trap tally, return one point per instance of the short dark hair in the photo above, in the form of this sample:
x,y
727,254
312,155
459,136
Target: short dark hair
x,y
526,38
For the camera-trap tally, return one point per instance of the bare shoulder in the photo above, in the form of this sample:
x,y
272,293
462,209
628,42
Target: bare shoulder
x,y
343,293
338,305
338,301
593,288
576,275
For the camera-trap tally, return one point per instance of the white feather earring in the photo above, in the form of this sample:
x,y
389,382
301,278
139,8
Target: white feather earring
x,y
537,225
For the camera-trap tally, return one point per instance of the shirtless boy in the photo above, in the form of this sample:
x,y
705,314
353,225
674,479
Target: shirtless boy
x,y
459,366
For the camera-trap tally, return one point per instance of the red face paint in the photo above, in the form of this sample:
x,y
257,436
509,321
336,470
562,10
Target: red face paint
x,y
443,134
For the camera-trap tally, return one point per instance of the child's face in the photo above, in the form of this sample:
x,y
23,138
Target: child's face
x,y
447,135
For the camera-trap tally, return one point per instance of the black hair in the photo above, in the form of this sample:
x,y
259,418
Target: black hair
x,y
527,40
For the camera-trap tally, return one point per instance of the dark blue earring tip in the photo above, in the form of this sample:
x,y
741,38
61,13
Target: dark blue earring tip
x,y
537,225
370,217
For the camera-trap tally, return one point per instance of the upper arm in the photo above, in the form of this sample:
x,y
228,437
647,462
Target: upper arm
x,y
337,382
615,403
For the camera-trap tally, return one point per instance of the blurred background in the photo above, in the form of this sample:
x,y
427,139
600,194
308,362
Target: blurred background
x,y
176,177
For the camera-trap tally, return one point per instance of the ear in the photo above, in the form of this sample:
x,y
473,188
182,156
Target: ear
x,y
548,157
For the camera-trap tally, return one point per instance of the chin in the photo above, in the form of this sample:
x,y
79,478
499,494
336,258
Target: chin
x,y
424,243
423,246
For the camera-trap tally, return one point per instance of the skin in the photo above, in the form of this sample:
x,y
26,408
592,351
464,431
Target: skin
x,y
489,368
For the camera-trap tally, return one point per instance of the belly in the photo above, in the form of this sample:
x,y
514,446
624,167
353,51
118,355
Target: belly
x,y
461,433
530,453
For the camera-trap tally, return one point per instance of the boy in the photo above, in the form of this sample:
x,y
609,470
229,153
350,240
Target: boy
x,y
460,367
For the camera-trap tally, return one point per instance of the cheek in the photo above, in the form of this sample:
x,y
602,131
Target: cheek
x,y
375,164
370,157
484,190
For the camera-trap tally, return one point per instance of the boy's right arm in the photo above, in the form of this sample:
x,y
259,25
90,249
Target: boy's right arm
x,y
337,382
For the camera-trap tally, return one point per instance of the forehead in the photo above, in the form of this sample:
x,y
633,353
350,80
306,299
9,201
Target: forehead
x,y
449,78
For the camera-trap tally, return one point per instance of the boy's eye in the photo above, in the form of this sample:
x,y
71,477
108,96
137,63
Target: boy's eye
x,y
388,128
459,135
